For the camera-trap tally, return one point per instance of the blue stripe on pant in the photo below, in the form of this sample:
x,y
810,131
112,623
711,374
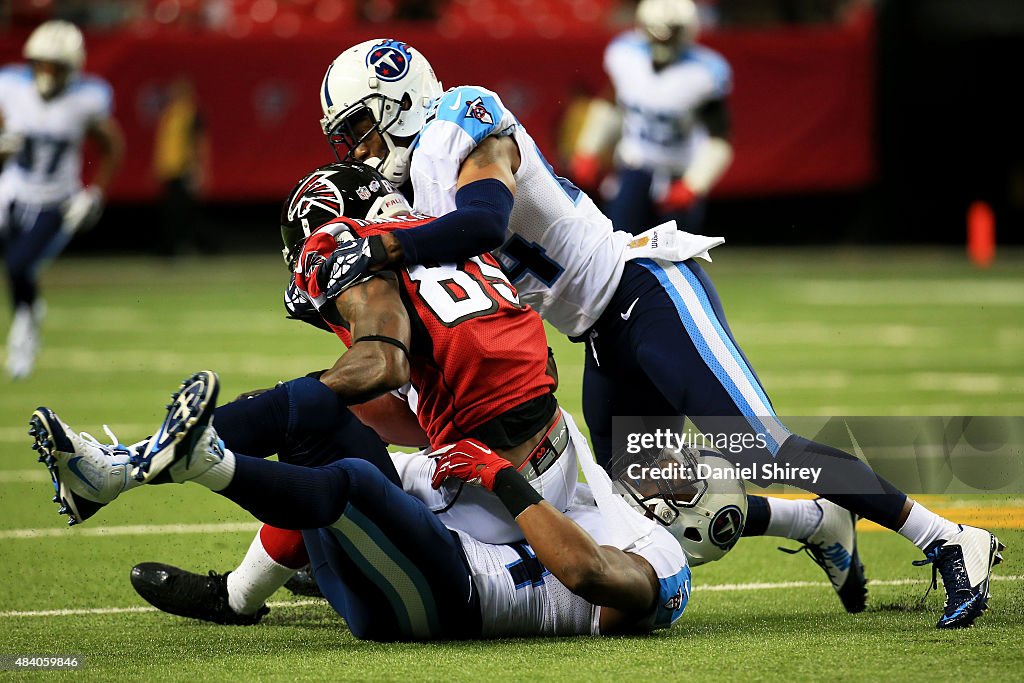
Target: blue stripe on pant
x,y
674,354
389,567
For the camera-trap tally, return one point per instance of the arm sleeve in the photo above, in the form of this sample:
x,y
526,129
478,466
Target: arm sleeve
x,y
478,225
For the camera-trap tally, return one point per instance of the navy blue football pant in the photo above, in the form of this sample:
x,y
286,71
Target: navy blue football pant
x,y
304,423
380,557
632,209
664,347
32,237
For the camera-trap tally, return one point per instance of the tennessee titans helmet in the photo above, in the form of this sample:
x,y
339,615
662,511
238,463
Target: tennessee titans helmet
x,y
379,86
702,510
340,189
669,25
56,51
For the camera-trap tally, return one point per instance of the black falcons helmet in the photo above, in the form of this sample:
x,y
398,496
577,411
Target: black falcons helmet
x,y
340,189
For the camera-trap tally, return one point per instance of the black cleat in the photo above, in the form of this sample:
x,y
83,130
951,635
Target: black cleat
x,y
304,584
185,594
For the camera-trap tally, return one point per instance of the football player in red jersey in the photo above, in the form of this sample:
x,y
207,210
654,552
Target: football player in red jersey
x,y
476,355
452,329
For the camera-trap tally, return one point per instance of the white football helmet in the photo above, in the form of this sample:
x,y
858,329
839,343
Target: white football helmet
x,y
704,512
670,26
55,42
382,86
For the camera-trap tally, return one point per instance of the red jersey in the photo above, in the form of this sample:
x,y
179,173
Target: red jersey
x,y
476,351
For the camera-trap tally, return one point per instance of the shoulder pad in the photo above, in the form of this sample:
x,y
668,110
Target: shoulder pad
x,y
475,110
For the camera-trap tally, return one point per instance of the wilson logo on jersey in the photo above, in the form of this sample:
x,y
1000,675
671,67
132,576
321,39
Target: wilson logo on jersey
x,y
478,111
390,60
316,191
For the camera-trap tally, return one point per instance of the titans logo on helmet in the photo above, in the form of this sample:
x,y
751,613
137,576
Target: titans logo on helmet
x,y
390,60
316,191
726,527
477,110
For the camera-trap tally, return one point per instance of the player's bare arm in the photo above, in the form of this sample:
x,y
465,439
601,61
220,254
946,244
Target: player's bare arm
x,y
107,135
623,583
379,364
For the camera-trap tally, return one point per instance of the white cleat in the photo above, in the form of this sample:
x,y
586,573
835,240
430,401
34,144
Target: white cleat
x,y
22,343
86,474
833,547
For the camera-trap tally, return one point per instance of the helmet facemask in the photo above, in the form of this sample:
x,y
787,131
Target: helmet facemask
x,y
659,497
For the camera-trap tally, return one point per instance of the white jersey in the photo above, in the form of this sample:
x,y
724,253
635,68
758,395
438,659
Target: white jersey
x,y
520,597
48,168
561,252
660,130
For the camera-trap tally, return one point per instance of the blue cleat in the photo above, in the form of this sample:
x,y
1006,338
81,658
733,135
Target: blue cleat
x,y
185,445
965,564
86,474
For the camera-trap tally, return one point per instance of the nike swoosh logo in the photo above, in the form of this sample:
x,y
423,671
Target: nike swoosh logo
x,y
73,466
486,451
629,311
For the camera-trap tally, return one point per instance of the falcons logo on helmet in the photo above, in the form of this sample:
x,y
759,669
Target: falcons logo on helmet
x,y
317,191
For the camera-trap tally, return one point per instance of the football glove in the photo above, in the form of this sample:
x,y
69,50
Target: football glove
x,y
679,197
470,461
348,265
298,307
82,210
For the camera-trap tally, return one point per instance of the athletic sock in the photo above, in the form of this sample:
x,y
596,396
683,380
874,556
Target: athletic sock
x,y
923,527
259,575
220,475
793,519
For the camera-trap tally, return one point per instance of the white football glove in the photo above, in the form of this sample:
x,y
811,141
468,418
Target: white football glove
x,y
83,209
10,143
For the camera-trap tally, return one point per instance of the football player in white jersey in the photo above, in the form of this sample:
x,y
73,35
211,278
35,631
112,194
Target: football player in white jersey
x,y
48,107
658,340
384,561
671,120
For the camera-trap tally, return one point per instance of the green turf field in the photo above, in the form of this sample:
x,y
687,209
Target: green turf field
x,y
830,332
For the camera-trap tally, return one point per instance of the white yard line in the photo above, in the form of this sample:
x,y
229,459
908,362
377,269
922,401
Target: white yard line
x,y
24,476
729,587
724,587
128,610
128,530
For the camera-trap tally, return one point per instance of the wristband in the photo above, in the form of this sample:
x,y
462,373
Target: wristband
x,y
378,252
514,492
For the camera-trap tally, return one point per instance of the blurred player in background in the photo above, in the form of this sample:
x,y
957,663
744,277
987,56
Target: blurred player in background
x,y
48,107
670,121
181,156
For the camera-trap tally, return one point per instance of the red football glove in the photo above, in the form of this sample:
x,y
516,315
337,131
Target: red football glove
x,y
678,198
585,170
470,461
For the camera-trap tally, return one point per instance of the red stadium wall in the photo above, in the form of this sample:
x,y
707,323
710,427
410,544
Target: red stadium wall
x,y
802,104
